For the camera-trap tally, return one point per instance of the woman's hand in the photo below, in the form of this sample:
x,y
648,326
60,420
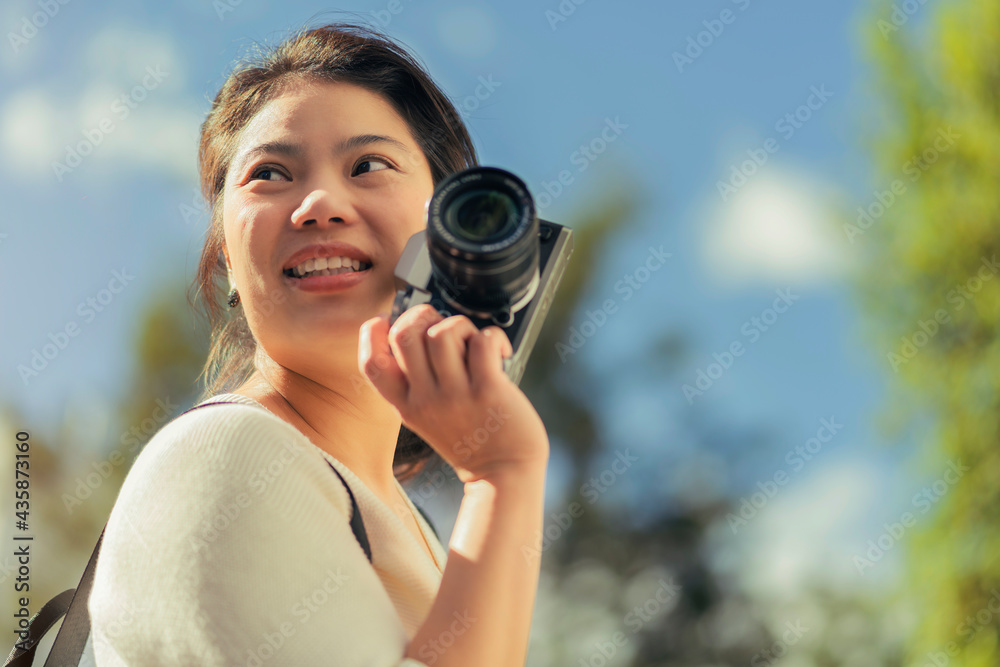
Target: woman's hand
x,y
446,379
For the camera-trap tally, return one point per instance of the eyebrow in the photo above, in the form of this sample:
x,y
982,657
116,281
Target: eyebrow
x,y
295,150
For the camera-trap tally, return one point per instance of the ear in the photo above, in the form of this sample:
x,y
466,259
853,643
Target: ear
x,y
225,252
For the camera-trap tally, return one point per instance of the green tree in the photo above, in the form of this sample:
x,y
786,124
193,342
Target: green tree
x,y
73,491
932,285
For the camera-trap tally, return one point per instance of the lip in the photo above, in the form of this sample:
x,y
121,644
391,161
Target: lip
x,y
335,283
317,250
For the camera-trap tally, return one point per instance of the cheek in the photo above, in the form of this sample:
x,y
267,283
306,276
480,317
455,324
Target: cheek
x,y
249,235
416,207
397,216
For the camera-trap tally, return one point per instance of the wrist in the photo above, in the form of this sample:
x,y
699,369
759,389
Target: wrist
x,y
521,474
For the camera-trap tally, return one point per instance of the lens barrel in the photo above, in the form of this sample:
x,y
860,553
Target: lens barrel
x,y
482,238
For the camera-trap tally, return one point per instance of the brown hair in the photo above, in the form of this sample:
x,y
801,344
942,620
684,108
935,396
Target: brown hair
x,y
339,52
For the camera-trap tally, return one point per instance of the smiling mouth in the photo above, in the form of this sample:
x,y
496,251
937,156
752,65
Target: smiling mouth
x,y
291,273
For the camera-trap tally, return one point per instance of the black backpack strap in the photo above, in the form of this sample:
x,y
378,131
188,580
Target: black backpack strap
x,y
72,637
23,653
73,633
357,525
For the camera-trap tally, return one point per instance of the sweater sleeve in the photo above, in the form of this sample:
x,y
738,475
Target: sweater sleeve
x,y
230,544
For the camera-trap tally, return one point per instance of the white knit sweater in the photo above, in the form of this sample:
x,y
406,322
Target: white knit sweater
x,y
230,544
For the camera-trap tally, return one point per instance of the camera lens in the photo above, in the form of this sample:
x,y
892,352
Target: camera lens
x,y
482,238
479,215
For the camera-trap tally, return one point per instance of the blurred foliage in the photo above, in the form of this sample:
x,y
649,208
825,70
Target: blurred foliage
x,y
934,291
604,572
649,580
73,489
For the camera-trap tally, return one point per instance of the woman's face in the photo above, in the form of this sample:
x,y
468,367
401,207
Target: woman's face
x,y
322,163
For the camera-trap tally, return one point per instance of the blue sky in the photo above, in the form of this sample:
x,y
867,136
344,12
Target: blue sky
x,y
554,87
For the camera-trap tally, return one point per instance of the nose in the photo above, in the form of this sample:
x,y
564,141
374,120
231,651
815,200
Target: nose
x,y
319,205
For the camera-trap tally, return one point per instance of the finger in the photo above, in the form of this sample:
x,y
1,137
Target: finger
x,y
447,347
486,352
375,361
406,339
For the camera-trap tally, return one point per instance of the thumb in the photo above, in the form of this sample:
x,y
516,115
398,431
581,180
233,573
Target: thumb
x,y
375,360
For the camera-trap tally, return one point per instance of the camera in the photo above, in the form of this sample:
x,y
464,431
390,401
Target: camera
x,y
486,255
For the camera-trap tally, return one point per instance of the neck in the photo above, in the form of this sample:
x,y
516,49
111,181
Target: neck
x,y
342,414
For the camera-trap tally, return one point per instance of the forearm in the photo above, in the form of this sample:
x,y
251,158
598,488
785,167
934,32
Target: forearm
x,y
482,613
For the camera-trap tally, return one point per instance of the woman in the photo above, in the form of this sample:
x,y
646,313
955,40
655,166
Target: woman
x,y
230,541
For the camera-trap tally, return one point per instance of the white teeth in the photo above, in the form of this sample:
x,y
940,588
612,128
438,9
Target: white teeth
x,y
326,266
330,272
321,263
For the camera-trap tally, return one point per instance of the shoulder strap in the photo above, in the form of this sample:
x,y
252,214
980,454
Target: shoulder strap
x,y
73,633
428,520
75,630
357,524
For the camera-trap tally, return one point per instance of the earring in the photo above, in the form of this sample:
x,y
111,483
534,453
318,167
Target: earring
x,y
234,296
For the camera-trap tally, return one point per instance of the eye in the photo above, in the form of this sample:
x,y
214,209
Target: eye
x,y
268,173
371,161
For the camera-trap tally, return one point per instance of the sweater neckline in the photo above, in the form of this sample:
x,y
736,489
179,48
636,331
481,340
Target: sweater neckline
x,y
344,470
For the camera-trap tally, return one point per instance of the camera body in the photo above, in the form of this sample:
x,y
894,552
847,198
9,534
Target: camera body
x,y
486,255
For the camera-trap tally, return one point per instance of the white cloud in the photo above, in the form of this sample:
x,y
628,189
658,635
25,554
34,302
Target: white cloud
x,y
809,533
778,228
131,111
121,54
27,121
24,50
